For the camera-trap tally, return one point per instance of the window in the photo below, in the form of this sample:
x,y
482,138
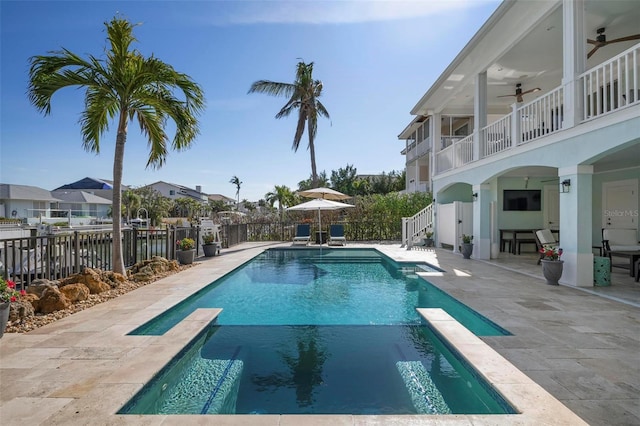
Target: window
x,y
172,192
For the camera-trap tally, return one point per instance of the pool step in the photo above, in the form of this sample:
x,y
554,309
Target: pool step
x,y
326,259
425,396
210,386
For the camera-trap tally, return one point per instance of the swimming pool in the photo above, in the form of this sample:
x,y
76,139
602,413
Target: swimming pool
x,y
338,286
335,332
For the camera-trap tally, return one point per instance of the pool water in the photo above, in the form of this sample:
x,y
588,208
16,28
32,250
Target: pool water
x,y
318,370
304,331
335,287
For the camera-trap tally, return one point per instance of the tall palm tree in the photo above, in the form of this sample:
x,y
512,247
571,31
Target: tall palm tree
x,y
303,96
123,86
236,181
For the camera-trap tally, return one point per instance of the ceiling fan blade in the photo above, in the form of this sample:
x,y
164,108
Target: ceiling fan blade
x,y
590,54
519,98
631,37
505,96
537,89
592,41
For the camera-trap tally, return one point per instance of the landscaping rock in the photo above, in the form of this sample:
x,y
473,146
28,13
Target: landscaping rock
x,y
52,300
22,318
38,286
21,309
75,292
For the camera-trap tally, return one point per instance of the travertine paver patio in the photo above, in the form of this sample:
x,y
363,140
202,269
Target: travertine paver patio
x,y
581,348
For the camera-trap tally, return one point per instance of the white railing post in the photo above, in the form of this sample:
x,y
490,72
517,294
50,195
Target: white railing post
x,y
516,126
405,241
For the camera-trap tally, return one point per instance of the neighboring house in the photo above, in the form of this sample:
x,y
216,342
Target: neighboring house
x,y
100,187
535,124
219,197
174,191
23,201
80,204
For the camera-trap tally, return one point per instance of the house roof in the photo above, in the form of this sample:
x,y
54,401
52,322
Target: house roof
x,y
216,197
25,192
90,183
79,197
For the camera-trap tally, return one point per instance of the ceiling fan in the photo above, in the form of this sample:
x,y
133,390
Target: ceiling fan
x,y
519,93
601,40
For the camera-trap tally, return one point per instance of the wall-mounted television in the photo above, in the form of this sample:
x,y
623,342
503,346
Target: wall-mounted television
x,y
521,200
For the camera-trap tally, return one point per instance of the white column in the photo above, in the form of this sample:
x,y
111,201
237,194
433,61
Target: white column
x,y
479,111
406,163
576,220
482,222
436,143
573,59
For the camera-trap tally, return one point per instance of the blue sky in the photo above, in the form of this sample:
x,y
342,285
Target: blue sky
x,y
375,59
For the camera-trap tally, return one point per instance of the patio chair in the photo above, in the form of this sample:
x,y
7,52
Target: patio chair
x,y
620,240
336,236
544,237
303,234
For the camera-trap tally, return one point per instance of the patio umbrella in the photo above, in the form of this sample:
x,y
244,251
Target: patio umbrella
x,y
325,193
320,204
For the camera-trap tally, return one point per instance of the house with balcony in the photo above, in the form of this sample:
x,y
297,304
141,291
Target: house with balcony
x,y
25,202
535,124
174,191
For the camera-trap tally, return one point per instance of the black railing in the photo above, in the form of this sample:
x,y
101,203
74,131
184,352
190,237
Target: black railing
x,y
59,255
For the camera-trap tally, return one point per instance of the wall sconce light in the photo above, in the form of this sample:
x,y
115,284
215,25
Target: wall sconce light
x,y
475,196
565,185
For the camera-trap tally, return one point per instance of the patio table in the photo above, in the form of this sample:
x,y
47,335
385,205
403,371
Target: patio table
x,y
633,256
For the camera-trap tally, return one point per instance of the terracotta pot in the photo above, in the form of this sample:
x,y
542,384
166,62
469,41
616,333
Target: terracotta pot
x,y
552,270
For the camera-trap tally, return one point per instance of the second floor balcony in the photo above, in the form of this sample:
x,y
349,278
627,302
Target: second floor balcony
x,y
603,90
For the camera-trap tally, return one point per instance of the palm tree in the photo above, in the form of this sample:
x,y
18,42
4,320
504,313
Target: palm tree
x,y
123,86
303,96
236,181
132,202
282,195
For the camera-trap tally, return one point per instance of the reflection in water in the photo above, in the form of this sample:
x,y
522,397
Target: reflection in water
x,y
305,367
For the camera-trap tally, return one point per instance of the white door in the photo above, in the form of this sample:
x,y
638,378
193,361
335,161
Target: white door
x,y
620,204
551,213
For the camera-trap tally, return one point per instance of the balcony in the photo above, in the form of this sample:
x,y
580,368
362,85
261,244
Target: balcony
x,y
605,89
417,150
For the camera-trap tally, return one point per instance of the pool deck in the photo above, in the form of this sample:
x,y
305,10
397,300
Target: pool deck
x,y
573,359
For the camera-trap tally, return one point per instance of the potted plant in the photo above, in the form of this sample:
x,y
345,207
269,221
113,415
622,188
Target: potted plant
x,y
551,263
467,246
186,252
209,244
428,238
8,294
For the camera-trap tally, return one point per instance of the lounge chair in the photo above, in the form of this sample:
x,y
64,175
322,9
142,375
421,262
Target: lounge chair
x,y
544,237
336,236
303,235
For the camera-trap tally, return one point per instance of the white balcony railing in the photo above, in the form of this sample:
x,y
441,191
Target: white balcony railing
x,y
612,85
418,150
606,88
455,155
541,117
496,137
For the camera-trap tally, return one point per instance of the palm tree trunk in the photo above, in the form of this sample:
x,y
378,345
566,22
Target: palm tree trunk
x,y
118,164
312,151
